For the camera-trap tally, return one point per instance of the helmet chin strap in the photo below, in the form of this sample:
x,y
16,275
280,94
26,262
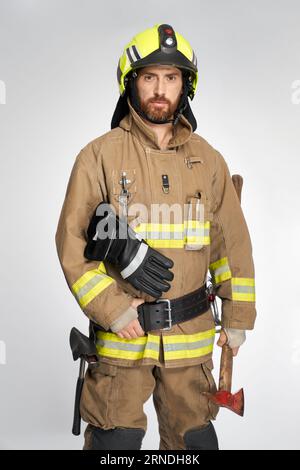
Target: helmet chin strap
x,y
134,99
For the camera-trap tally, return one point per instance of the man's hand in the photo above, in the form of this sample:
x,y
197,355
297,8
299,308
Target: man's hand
x,y
133,329
223,340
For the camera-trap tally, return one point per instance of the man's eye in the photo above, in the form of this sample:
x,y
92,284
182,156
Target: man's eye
x,y
172,78
148,77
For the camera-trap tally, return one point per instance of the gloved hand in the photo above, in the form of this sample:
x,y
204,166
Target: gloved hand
x,y
233,337
111,238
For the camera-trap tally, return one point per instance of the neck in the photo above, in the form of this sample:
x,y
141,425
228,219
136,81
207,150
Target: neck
x,y
164,132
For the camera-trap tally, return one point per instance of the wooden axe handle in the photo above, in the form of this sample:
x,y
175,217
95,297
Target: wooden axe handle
x,y
225,376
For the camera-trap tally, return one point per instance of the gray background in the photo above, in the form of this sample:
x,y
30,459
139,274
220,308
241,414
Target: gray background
x,y
58,64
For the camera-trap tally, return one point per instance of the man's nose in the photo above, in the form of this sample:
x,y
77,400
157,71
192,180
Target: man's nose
x,y
159,87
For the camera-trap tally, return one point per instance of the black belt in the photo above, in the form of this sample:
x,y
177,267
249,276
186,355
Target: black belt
x,y
163,313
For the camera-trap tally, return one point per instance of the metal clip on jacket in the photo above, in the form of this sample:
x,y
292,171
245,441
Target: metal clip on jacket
x,y
124,193
211,291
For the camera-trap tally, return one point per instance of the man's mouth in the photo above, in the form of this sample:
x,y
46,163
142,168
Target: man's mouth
x,y
159,102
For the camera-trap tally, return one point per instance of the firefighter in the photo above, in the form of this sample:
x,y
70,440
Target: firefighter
x,y
152,323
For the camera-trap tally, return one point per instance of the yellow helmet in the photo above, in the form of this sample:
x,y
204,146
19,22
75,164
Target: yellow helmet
x,y
158,45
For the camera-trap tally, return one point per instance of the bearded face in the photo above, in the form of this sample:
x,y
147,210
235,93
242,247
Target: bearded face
x,y
159,91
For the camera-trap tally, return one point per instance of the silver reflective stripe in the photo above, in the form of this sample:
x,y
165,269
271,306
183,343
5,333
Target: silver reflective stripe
x,y
188,346
132,54
136,262
198,231
128,52
135,52
127,346
194,59
221,270
244,289
90,284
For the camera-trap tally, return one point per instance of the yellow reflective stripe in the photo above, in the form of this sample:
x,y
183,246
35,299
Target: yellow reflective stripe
x,y
243,288
173,339
108,352
91,284
111,345
197,232
186,354
102,267
175,235
243,281
204,240
176,243
100,286
144,227
175,346
195,224
165,243
220,270
87,276
188,346
113,337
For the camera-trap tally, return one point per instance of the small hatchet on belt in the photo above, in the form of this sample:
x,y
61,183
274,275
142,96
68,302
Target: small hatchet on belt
x,y
223,397
84,348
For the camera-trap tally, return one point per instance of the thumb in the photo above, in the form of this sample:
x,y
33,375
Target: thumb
x,y
222,338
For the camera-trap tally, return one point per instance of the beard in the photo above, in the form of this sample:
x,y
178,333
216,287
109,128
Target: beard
x,y
158,113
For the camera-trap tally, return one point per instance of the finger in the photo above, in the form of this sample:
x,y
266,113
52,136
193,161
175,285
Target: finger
x,y
223,337
133,333
158,271
126,335
147,286
163,260
138,329
222,340
235,351
151,278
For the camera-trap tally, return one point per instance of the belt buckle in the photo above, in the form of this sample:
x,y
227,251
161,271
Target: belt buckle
x,y
169,319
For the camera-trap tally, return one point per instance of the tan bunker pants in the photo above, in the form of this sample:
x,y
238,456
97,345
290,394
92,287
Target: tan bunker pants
x,y
113,397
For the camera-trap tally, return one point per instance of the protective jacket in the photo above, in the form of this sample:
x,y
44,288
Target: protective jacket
x,y
219,244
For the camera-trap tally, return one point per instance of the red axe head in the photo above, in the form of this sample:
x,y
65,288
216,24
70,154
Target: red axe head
x,y
223,397
232,401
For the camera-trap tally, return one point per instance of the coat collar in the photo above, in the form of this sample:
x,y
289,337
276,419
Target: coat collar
x,y
134,123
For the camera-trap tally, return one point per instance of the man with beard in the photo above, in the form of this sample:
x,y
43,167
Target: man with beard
x,y
154,329
159,90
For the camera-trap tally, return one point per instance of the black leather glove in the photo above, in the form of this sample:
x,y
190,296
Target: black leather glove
x,y
111,238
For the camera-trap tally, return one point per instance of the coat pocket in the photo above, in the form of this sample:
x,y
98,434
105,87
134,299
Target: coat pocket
x,y
197,218
209,385
98,398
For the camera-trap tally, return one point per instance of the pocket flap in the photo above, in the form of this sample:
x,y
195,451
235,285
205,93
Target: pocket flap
x,y
106,369
209,364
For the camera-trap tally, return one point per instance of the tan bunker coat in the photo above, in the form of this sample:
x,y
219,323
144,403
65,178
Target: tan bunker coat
x,y
222,246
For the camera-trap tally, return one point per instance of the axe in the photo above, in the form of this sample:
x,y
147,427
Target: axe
x,y
83,348
223,397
